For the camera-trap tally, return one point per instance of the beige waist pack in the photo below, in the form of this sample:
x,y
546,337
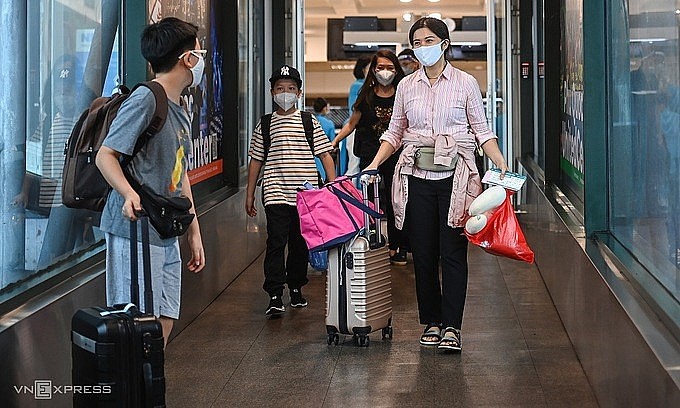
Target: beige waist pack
x,y
425,160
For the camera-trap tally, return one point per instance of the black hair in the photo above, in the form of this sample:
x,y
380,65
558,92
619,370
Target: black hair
x,y
319,104
164,41
438,27
366,91
360,65
407,51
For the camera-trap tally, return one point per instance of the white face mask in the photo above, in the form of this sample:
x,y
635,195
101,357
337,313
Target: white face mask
x,y
407,70
197,71
286,100
429,55
385,77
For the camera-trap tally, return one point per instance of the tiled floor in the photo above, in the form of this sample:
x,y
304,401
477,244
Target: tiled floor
x,y
515,350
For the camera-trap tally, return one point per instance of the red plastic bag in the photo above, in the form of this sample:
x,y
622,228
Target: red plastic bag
x,y
502,234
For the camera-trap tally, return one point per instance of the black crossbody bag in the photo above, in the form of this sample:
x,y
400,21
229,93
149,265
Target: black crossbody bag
x,y
169,216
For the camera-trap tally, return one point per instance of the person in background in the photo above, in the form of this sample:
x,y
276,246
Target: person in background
x,y
68,229
408,61
434,107
347,149
370,118
321,109
172,49
288,163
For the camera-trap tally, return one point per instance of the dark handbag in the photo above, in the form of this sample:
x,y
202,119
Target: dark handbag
x,y
169,216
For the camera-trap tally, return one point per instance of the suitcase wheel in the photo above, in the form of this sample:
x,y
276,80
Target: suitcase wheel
x,y
333,338
361,340
387,333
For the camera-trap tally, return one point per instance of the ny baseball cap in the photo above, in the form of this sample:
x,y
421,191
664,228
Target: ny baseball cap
x,y
286,72
63,79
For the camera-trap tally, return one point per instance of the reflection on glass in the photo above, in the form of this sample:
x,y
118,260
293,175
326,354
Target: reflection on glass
x,y
67,40
645,137
60,230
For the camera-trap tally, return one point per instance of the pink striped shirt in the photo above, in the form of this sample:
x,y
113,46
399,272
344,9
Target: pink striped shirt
x,y
438,115
444,108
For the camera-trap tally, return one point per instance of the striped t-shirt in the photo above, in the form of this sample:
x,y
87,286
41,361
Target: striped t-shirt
x,y
290,161
53,161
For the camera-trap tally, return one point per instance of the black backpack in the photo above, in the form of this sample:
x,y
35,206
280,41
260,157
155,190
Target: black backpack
x,y
265,124
83,185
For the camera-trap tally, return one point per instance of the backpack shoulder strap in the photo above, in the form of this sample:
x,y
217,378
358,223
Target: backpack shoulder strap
x,y
159,116
265,124
161,113
309,128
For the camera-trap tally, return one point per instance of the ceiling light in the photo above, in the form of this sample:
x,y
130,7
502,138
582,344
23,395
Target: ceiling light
x,y
468,43
435,15
405,1
649,40
407,16
376,44
433,1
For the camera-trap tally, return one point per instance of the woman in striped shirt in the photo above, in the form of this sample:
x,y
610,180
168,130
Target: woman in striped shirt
x,y
435,107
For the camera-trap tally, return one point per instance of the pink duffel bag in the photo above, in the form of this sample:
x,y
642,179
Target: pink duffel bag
x,y
332,214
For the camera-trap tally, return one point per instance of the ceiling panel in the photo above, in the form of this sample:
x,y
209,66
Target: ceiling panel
x,y
391,8
318,11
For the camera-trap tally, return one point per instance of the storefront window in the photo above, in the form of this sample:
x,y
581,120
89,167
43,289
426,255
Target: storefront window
x,y
72,57
644,136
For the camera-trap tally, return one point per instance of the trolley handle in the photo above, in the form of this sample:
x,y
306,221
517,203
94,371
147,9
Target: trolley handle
x,y
371,177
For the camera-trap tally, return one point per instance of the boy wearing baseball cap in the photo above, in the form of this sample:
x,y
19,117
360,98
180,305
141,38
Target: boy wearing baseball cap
x,y
280,144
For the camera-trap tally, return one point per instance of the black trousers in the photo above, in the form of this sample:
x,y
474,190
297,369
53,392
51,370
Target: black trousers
x,y
433,242
398,239
283,228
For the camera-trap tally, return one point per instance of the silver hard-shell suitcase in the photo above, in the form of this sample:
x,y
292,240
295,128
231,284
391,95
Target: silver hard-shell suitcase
x,y
359,282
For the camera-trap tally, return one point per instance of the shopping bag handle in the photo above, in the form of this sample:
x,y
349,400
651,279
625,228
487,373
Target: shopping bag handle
x,y
355,202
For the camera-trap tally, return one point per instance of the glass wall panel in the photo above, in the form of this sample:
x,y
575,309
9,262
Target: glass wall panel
x,y
243,75
644,135
571,138
499,95
539,81
72,57
252,85
501,80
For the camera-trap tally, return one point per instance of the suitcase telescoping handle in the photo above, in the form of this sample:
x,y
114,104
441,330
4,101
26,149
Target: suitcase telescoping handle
x,y
146,263
371,177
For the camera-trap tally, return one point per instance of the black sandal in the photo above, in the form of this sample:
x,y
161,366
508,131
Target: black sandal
x,y
450,340
432,331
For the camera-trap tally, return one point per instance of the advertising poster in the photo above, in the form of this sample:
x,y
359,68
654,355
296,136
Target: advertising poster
x,y
571,136
204,102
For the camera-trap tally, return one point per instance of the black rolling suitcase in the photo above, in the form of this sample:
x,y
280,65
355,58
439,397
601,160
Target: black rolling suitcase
x,y
117,352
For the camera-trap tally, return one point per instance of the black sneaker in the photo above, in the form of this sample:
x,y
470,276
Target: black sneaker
x,y
296,298
275,306
399,258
